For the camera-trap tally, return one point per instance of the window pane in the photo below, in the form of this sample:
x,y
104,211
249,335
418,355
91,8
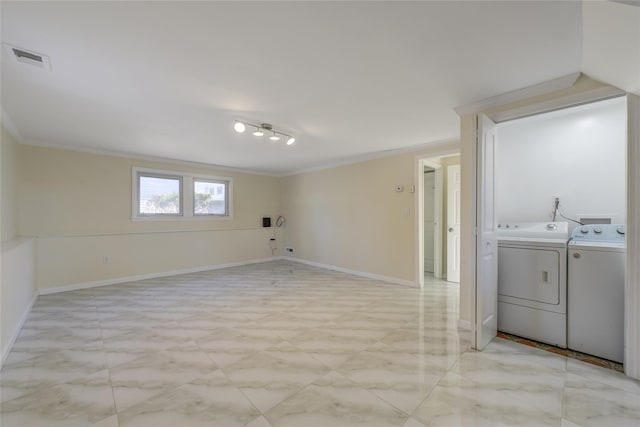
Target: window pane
x,y
210,198
159,195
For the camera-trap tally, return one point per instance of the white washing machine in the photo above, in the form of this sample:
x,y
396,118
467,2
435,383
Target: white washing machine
x,y
532,281
596,290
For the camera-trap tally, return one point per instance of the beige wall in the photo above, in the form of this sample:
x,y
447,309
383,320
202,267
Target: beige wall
x,y
78,206
66,192
467,145
350,217
17,266
9,200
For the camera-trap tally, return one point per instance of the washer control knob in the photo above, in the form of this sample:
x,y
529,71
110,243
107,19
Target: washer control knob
x,y
551,226
584,230
576,255
597,230
620,229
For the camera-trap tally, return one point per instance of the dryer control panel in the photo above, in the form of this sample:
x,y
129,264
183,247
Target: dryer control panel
x,y
611,233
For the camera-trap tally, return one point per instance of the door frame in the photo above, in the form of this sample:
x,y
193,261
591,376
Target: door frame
x,y
420,163
632,277
437,217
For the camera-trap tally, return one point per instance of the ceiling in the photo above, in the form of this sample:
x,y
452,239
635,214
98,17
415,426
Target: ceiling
x,y
347,79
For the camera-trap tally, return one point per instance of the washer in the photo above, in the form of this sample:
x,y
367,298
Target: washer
x,y
596,290
532,280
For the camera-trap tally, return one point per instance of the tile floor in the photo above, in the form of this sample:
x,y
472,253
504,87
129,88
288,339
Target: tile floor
x,y
284,344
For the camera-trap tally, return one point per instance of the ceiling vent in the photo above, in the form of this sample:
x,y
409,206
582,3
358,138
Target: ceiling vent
x,y
28,57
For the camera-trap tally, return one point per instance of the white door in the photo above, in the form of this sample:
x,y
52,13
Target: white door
x,y
487,245
429,220
453,223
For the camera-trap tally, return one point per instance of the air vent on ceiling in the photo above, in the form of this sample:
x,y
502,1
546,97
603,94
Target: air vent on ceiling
x,y
28,57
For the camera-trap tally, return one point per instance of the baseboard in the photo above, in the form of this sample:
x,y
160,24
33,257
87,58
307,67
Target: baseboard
x,y
355,272
464,324
7,349
115,281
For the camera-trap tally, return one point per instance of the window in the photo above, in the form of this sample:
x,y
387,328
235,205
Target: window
x,y
159,194
209,197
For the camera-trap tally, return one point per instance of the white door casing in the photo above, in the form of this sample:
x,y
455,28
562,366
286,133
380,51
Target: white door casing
x,y
453,223
486,241
632,270
420,162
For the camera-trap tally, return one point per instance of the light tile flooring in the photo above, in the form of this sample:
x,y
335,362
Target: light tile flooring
x,y
285,344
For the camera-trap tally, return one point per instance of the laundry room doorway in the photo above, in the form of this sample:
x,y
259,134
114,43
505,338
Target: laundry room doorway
x,y
564,184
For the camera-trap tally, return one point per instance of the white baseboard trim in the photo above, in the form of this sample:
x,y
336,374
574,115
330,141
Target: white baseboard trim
x,y
464,324
115,281
7,349
355,272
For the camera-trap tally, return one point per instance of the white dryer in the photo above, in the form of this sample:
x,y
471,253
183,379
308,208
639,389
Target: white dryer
x,y
596,290
532,281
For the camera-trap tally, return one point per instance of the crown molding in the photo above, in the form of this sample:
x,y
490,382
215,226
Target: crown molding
x,y
518,95
452,143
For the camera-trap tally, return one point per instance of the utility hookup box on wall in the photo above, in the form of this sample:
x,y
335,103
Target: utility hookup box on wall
x,y
266,221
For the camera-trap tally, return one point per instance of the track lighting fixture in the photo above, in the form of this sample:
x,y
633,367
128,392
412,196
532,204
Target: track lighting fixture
x,y
260,130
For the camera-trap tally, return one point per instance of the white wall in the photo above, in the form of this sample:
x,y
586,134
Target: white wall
x,y
577,154
611,43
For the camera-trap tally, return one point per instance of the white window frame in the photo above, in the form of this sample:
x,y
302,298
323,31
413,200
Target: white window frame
x,y
186,195
211,181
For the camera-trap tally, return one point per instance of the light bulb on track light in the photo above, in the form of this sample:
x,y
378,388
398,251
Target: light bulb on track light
x,y
291,140
239,127
258,132
274,137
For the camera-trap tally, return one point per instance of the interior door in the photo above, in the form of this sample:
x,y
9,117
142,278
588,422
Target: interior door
x,y
429,220
453,223
486,241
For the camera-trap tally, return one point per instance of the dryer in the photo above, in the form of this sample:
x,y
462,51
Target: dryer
x,y
532,280
596,290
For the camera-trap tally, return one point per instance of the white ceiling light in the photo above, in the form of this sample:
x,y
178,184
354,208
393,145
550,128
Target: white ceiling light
x,y
261,129
239,127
